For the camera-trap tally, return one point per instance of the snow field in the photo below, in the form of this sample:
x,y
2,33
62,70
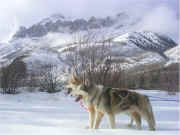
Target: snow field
x,y
41,113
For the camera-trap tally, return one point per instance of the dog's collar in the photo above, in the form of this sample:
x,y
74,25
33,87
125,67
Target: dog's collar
x,y
86,88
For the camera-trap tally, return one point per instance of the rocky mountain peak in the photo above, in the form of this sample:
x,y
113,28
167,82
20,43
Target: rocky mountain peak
x,y
57,23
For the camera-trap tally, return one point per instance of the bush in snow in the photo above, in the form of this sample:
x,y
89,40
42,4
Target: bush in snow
x,y
49,79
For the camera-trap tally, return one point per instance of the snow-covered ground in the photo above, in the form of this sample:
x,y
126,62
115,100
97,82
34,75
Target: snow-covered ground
x,y
40,113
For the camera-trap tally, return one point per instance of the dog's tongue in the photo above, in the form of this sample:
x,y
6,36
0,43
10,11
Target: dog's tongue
x,y
78,98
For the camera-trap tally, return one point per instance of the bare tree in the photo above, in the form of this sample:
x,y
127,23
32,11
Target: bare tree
x,y
12,75
91,59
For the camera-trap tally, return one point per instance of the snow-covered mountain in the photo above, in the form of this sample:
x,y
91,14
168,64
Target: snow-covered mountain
x,y
46,41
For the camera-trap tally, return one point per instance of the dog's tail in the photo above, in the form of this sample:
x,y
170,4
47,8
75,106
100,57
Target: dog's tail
x,y
150,114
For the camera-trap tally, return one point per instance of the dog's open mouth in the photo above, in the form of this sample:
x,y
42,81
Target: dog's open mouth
x,y
78,98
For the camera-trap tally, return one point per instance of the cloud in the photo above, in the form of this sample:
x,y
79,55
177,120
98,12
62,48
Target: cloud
x,y
9,17
27,12
163,20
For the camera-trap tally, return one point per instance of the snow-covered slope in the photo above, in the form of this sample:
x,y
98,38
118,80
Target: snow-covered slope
x,y
174,55
44,114
143,48
147,41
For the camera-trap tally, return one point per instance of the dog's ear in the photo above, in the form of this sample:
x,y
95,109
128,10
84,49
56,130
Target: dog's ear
x,y
87,85
75,80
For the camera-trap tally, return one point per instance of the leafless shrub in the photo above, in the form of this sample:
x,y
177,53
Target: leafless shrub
x,y
48,79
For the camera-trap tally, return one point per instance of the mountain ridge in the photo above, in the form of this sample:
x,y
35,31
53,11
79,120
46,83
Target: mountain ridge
x,y
44,42
61,24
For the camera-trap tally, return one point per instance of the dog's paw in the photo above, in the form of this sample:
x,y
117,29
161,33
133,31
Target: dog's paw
x,y
152,129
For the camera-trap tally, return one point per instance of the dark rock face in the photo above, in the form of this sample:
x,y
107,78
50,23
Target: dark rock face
x,y
21,32
79,24
33,31
37,31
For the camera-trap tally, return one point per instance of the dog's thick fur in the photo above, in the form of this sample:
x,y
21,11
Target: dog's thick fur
x,y
111,101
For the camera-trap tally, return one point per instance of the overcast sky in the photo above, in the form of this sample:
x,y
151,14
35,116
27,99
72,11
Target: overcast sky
x,y
14,13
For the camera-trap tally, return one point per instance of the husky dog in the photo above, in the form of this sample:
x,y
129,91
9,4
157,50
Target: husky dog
x,y
111,101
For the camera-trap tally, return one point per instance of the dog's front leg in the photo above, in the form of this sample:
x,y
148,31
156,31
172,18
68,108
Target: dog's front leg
x,y
111,118
91,116
99,116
